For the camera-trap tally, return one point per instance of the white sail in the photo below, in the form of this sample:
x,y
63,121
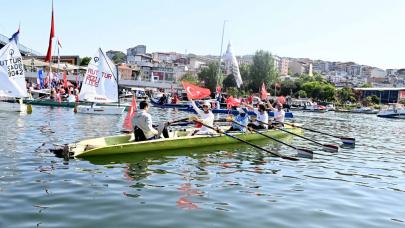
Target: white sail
x,y
12,76
232,65
100,82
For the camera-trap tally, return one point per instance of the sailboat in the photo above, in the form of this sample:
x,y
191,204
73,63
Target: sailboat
x,y
12,78
100,85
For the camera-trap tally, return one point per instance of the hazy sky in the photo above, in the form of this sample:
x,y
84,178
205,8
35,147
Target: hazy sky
x,y
370,32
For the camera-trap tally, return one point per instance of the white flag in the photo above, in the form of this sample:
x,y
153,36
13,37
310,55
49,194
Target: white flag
x,y
232,65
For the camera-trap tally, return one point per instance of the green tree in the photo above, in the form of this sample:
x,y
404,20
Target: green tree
x,y
366,85
189,77
119,57
328,92
229,81
262,70
346,94
301,94
209,76
85,61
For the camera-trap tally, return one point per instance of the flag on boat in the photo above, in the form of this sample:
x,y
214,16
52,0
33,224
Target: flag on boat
x,y
218,89
232,102
263,92
59,44
12,76
15,36
40,79
232,66
281,100
51,36
131,112
100,84
195,92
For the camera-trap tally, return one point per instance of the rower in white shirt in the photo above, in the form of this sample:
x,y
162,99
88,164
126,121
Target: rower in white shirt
x,y
205,117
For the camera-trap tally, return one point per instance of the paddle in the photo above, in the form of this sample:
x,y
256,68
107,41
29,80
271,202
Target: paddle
x,y
302,151
168,123
249,143
328,147
345,140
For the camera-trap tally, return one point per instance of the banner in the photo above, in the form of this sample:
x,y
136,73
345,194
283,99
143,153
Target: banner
x,y
195,92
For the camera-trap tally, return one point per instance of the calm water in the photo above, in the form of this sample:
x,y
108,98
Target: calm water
x,y
234,186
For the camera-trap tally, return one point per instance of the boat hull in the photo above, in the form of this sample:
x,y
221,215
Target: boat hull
x,y
235,112
120,144
52,103
100,110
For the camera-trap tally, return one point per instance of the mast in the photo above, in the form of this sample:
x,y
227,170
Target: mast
x,y
220,53
118,86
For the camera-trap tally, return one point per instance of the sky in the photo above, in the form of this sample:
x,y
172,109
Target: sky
x,y
369,32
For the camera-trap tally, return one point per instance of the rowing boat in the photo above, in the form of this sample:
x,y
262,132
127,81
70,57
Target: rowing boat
x,y
178,139
54,103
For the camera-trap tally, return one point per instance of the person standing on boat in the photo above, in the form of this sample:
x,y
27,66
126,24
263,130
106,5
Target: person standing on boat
x,y
143,127
261,117
242,120
205,117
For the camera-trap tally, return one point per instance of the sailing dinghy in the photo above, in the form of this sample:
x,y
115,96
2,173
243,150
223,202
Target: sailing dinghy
x,y
12,79
100,85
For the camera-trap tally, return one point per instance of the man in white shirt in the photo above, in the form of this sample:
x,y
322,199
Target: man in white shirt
x,y
205,115
261,119
143,128
279,114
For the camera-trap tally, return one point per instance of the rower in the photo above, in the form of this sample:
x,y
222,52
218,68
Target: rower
x,y
206,117
241,119
143,128
261,117
278,114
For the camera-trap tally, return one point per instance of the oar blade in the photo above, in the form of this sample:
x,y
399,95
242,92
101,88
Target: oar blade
x,y
348,140
305,153
330,148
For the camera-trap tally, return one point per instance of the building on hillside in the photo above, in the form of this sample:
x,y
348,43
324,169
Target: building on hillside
x,y
386,95
137,50
71,59
296,68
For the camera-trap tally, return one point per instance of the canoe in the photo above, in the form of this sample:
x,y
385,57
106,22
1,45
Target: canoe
x,y
156,103
120,144
53,103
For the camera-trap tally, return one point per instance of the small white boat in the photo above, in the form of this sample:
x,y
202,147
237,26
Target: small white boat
x,y
314,107
365,110
100,86
100,109
396,111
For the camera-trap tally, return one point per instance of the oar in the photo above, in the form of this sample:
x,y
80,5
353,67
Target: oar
x,y
302,151
345,140
328,147
249,143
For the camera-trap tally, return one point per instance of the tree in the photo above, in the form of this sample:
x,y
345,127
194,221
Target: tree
x,y
366,85
229,81
262,70
85,61
119,57
346,94
301,94
328,92
189,77
209,76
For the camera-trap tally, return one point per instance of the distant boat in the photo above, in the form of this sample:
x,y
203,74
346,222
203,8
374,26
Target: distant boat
x,y
100,85
314,107
365,110
12,78
396,111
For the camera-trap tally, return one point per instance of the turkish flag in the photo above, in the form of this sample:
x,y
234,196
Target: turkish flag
x,y
195,92
282,100
131,112
51,35
250,100
263,92
219,89
232,102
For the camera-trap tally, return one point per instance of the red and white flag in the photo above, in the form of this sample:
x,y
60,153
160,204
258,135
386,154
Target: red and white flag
x,y
195,92
51,36
131,112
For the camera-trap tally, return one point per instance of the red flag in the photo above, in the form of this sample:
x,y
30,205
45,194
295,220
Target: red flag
x,y
232,102
51,35
250,99
281,99
195,92
263,92
218,89
131,112
65,82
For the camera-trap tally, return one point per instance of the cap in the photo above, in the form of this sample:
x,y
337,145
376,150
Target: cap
x,y
207,103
